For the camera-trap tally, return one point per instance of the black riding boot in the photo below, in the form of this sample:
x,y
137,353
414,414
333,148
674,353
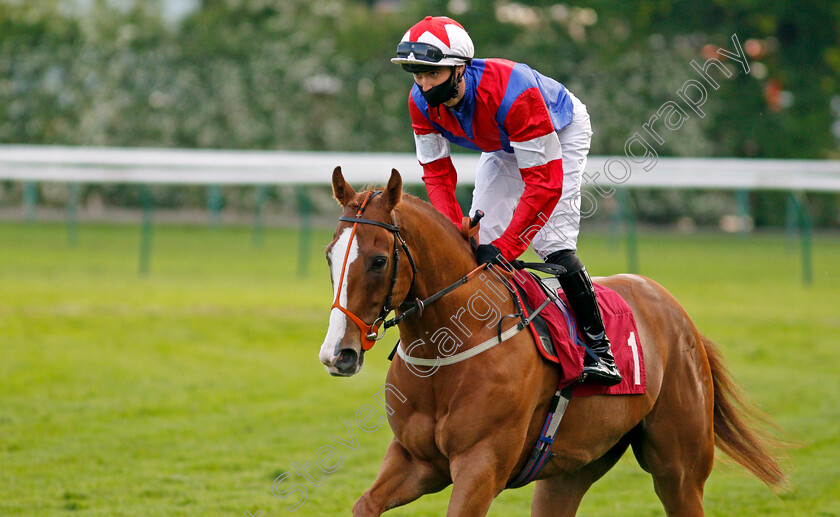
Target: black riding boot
x,y
581,296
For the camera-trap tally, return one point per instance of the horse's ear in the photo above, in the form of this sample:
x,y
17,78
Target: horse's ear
x,y
393,192
343,192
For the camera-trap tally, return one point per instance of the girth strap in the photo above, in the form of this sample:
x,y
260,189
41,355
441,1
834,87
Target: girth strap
x,y
541,453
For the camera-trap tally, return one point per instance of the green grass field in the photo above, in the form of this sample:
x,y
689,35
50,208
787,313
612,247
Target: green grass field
x,y
188,391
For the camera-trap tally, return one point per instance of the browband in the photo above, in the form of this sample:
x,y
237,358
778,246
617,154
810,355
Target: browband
x,y
392,227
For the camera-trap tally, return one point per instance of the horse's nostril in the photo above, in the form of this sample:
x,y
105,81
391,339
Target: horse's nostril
x,y
346,359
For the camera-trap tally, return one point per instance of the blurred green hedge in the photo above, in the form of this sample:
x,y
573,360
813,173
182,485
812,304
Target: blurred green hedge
x,y
315,75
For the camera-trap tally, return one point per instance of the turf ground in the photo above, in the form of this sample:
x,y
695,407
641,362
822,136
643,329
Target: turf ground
x,y
188,391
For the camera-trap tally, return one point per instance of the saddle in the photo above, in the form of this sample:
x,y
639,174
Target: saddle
x,y
559,341
556,333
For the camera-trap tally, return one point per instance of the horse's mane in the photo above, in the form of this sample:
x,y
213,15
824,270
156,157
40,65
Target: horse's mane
x,y
413,204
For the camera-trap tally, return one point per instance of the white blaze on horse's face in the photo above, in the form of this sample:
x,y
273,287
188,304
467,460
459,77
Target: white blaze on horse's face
x,y
338,320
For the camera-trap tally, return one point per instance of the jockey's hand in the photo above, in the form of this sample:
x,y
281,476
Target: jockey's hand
x,y
488,254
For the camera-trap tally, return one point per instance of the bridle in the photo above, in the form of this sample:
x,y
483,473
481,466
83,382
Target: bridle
x,y
370,333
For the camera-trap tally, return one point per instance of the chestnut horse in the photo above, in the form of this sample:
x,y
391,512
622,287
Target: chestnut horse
x,y
474,423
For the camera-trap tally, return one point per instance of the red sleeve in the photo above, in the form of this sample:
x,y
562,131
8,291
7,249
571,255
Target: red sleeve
x,y
528,120
440,178
439,175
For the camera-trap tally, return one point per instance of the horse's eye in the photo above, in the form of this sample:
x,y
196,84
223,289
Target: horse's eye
x,y
378,263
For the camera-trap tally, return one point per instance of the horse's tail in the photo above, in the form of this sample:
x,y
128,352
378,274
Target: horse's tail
x,y
741,428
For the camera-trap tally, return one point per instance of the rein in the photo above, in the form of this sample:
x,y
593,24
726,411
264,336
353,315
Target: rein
x,y
419,304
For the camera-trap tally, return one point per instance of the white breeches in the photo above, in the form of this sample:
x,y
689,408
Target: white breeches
x,y
499,185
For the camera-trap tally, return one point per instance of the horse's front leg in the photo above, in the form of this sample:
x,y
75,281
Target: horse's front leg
x,y
478,476
402,478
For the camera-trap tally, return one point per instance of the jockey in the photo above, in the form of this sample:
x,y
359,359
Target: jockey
x,y
534,137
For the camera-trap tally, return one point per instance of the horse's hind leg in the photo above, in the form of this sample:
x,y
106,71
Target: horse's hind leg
x,y
675,443
560,495
679,467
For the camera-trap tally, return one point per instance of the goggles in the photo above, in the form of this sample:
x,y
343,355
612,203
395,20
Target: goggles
x,y
424,52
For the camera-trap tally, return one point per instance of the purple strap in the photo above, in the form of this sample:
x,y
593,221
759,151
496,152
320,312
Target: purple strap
x,y
542,449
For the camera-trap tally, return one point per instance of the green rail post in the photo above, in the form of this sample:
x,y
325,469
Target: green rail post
x,y
305,210
146,232
791,219
614,237
215,200
807,258
742,209
73,193
629,230
30,200
259,206
800,204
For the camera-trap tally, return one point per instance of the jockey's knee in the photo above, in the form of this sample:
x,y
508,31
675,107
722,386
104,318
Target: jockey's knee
x,y
566,258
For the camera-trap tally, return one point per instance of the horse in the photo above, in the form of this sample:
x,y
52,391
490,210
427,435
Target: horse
x,y
474,423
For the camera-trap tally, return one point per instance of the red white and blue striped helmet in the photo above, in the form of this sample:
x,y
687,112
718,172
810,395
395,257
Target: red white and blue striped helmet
x,y
435,41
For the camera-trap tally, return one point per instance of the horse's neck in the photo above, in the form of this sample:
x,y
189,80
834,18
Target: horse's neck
x,y
438,249
471,311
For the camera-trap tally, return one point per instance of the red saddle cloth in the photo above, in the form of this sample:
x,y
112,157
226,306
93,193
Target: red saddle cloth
x,y
553,337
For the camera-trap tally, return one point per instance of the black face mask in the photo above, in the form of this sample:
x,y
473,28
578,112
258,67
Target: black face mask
x,y
441,93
